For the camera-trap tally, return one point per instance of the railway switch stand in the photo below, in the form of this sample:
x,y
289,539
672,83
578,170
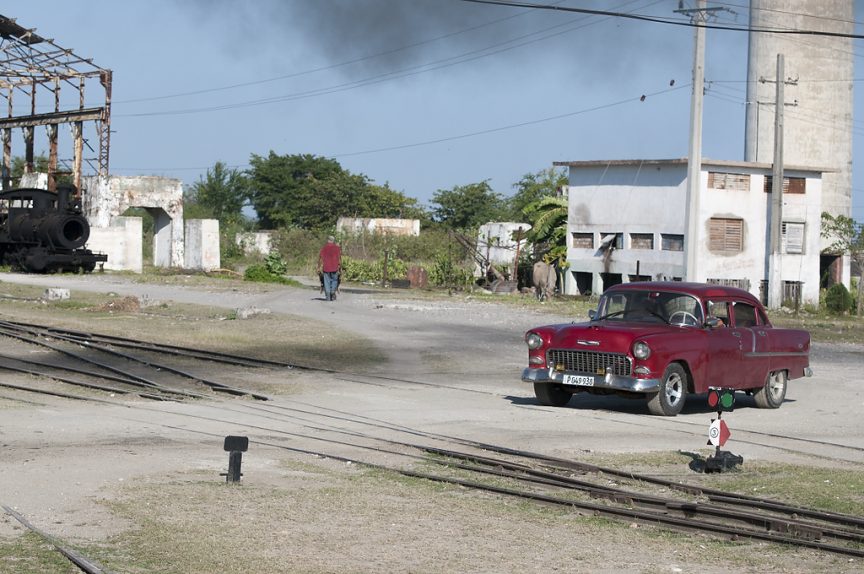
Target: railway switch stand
x,y
718,433
236,446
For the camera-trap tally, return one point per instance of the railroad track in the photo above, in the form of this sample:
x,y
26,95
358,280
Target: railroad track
x,y
531,476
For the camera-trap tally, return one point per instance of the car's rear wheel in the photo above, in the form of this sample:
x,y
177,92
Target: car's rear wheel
x,y
552,395
669,400
771,395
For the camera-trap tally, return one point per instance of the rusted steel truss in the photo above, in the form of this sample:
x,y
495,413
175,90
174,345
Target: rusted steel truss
x,y
35,68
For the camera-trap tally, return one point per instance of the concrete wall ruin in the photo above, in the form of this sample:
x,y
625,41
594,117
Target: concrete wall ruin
x,y
202,244
122,241
357,225
252,242
107,198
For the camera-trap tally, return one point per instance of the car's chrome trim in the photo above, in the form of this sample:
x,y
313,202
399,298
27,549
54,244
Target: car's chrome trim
x,y
613,382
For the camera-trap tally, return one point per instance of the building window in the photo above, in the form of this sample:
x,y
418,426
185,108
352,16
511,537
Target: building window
x,y
583,240
612,239
790,184
671,242
792,237
641,241
730,181
726,235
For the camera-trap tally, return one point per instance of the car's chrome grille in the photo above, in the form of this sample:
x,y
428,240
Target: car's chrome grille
x,y
590,362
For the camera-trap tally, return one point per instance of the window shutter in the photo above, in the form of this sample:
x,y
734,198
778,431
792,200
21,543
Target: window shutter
x,y
793,237
725,234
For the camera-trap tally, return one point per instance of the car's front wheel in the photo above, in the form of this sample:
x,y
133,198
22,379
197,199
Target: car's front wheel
x,y
771,395
669,400
552,395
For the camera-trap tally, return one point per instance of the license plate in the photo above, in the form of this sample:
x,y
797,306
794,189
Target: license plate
x,y
580,380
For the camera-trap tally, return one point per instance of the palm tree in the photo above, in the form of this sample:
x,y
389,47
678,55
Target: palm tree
x,y
548,233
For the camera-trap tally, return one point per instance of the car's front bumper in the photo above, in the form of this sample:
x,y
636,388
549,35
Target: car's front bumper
x,y
610,382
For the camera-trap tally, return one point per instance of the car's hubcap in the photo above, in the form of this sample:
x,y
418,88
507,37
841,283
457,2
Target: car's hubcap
x,y
776,386
673,389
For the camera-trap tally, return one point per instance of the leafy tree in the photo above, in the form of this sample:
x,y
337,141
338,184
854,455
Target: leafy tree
x,y
847,236
468,206
548,218
40,164
221,193
312,192
534,186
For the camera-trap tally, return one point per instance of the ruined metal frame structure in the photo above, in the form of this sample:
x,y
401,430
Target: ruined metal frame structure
x,y
29,62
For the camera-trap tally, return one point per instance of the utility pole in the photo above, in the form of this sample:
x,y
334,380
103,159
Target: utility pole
x,y
698,16
775,259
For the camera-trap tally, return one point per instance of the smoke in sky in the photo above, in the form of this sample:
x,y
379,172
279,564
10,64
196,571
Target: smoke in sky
x,y
374,36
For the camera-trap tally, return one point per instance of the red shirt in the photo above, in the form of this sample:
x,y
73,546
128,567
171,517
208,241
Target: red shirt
x,y
331,258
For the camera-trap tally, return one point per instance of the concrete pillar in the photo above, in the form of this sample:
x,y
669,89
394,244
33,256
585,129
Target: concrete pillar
x,y
202,244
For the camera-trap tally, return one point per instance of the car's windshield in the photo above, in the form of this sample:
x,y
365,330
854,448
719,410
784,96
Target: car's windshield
x,y
650,307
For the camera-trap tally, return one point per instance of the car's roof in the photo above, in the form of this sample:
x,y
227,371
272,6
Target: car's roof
x,y
701,290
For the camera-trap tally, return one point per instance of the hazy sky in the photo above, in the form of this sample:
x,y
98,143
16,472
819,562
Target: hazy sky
x,y
420,94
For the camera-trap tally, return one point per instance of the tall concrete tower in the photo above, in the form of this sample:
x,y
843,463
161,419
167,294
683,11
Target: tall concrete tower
x,y
818,92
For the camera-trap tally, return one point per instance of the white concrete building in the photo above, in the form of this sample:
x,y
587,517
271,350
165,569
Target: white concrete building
x,y
627,221
496,243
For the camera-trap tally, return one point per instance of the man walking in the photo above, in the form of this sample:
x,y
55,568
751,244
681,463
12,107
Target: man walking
x,y
329,265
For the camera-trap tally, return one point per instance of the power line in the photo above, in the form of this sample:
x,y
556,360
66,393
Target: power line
x,y
670,21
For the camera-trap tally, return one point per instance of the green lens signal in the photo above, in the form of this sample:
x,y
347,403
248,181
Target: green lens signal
x,y
721,399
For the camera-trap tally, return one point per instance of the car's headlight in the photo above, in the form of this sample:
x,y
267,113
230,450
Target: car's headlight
x,y
641,350
534,341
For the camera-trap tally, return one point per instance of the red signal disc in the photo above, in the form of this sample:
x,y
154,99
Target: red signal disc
x,y
713,398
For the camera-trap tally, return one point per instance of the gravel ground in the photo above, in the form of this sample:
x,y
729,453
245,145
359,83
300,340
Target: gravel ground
x,y
97,474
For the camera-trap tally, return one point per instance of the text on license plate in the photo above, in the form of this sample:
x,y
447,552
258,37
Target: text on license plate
x,y
581,380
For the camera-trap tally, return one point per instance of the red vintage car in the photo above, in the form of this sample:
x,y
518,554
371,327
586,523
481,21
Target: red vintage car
x,y
663,341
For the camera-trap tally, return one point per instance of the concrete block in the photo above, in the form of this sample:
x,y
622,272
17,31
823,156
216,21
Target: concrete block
x,y
56,294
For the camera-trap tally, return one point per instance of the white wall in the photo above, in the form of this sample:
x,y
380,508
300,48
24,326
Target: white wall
x,y
122,242
252,242
381,225
495,243
625,199
202,244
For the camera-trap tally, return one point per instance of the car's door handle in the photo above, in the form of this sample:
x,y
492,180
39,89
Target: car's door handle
x,y
736,333
761,333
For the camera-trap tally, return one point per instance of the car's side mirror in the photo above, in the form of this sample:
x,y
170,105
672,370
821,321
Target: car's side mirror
x,y
591,314
713,322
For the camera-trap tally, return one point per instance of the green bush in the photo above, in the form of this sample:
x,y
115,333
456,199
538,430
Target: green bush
x,y
359,270
275,264
260,274
838,300
446,273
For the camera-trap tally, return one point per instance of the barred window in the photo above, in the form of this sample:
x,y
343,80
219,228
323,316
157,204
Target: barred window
x,y
642,241
790,184
583,240
726,235
671,242
730,181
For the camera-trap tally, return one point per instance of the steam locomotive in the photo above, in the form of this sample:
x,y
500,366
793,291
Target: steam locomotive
x,y
45,232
